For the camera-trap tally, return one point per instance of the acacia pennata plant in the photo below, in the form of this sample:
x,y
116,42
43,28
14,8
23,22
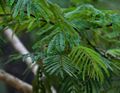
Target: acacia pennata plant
x,y
77,48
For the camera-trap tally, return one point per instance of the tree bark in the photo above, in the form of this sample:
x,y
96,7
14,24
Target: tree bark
x,y
17,44
15,82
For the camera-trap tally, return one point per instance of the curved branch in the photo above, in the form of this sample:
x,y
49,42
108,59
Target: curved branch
x,y
17,44
15,82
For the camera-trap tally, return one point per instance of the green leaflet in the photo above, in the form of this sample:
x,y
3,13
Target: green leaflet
x,y
46,9
10,2
58,65
3,5
51,45
60,42
113,52
83,57
17,7
70,86
29,8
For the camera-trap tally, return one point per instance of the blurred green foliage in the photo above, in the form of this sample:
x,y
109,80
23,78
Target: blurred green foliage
x,y
102,4
76,45
2,87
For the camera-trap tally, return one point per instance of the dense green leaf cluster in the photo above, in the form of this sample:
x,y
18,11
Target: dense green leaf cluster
x,y
80,46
